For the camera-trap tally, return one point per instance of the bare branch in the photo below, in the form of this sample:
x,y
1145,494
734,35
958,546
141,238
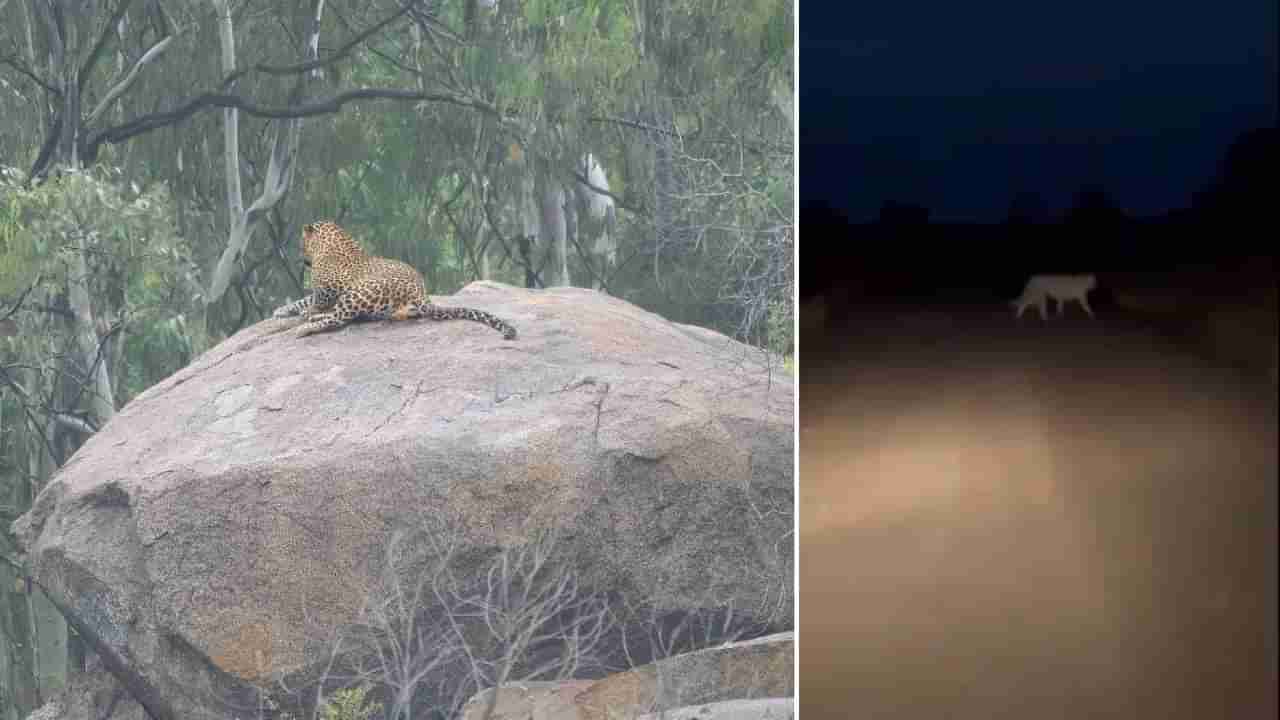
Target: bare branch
x,y
21,67
279,174
618,201
32,420
121,87
302,67
327,106
759,147
21,298
101,43
74,423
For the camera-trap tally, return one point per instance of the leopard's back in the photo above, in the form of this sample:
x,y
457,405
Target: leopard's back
x,y
401,282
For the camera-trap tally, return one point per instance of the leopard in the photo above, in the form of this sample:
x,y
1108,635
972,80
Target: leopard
x,y
349,284
1062,288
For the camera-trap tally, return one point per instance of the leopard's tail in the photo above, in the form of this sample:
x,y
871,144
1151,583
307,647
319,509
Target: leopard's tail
x,y
431,311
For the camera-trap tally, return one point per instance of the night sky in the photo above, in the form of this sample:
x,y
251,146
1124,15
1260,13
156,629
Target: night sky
x,y
955,106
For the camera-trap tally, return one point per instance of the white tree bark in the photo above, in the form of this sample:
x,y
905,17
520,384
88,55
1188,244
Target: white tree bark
x,y
554,232
530,225
284,152
601,215
95,359
64,54
230,116
123,86
784,98
482,249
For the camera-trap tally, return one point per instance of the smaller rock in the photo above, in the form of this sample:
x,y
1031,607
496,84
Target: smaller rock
x,y
736,671
760,709
528,701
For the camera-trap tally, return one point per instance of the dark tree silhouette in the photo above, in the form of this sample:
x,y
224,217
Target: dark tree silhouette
x,y
1093,206
822,216
896,213
1250,162
1243,191
1027,208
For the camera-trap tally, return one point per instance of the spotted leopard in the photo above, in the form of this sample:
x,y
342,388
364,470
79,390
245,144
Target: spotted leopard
x,y
348,284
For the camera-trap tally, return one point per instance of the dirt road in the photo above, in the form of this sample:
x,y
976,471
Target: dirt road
x,y
1032,520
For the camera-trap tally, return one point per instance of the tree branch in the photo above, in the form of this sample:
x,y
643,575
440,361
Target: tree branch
x,y
94,54
36,426
635,209
123,86
21,298
12,62
302,67
46,151
75,424
155,121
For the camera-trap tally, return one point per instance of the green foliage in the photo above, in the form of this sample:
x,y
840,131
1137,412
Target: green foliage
x,y
140,271
349,704
121,229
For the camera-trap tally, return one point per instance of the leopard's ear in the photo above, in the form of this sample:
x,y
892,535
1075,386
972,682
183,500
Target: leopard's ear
x,y
309,228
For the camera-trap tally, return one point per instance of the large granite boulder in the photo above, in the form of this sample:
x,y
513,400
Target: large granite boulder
x,y
255,488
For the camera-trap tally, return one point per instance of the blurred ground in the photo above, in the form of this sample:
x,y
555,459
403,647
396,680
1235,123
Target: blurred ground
x,y
1030,520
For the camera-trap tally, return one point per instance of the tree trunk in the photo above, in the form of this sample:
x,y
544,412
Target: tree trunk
x,y
552,229
68,145
783,95
482,251
284,151
21,688
230,116
664,182
529,227
64,59
597,219
64,68
92,354
49,645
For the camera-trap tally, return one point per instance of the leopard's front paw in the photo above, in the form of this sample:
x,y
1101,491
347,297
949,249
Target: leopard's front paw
x,y
305,330
285,311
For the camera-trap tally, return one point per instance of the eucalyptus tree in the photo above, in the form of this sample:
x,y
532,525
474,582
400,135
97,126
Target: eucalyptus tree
x,y
691,103
671,119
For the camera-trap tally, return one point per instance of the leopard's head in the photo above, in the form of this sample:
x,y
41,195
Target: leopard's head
x,y
326,243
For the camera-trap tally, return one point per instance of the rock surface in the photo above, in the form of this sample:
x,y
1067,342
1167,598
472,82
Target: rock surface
x,y
762,709
528,701
763,667
261,482
734,681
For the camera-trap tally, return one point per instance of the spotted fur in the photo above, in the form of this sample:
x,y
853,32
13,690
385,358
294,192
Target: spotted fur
x,y
348,284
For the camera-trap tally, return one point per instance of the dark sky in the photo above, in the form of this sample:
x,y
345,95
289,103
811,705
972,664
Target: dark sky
x,y
955,105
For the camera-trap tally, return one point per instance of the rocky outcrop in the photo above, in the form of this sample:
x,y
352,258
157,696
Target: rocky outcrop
x,y
254,488
753,669
762,709
744,680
